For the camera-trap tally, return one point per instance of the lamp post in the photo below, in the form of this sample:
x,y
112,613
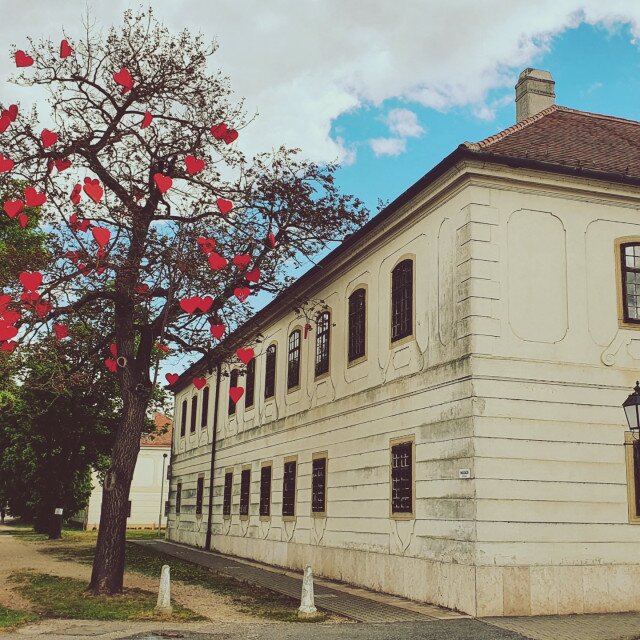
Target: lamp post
x,y
631,408
164,460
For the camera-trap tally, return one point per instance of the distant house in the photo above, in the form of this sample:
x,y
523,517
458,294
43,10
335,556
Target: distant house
x,y
147,487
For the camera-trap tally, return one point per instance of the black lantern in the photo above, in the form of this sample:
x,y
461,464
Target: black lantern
x,y
631,408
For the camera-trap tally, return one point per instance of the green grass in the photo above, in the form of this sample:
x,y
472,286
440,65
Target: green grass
x,y
56,597
10,618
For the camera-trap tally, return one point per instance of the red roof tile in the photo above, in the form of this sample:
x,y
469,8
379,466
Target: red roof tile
x,y
159,437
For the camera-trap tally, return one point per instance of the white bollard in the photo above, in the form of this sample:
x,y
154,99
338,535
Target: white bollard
x,y
164,593
307,607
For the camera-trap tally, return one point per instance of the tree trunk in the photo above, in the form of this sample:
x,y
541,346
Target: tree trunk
x,y
108,563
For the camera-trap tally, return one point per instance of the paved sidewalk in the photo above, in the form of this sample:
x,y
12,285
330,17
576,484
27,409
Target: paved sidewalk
x,y
357,604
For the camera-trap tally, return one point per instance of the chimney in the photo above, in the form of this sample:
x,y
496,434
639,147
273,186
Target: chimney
x,y
534,92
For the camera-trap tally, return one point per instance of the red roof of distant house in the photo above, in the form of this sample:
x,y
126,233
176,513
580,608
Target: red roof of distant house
x,y
161,437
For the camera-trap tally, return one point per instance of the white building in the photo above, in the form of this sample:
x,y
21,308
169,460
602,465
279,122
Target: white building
x,y
149,487
450,429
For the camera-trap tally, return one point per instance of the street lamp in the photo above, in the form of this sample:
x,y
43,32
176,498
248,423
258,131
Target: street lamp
x,y
164,460
631,408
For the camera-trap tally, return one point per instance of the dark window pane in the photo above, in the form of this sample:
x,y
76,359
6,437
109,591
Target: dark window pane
x,y
129,509
265,491
194,413
630,265
226,499
402,478
323,335
249,392
245,491
293,360
270,372
233,382
205,407
178,497
636,473
289,489
199,496
183,419
319,485
402,300
357,324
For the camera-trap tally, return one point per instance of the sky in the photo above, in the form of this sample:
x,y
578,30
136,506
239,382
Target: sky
x,y
385,88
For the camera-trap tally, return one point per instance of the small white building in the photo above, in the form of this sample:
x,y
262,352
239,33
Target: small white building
x,y
149,487
450,429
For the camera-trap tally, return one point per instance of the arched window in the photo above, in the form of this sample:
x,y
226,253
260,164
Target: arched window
x,y
357,325
233,382
402,300
205,407
270,372
630,262
323,335
194,411
249,393
293,360
183,419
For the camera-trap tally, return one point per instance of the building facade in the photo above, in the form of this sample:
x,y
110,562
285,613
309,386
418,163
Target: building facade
x,y
444,422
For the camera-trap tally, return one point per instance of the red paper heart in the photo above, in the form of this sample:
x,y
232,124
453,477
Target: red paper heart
x,y
242,293
194,165
28,297
101,235
61,331
245,355
8,347
205,304
162,182
198,383
32,198
93,189
6,164
113,348
224,206
5,121
216,261
75,194
9,316
62,163
242,261
146,120
12,112
124,79
100,270
218,131
30,280
22,59
172,378
42,308
230,136
253,276
141,288
163,347
23,220
7,331
190,305
111,364
235,393
49,138
5,299
217,330
206,244
65,49
13,207
271,240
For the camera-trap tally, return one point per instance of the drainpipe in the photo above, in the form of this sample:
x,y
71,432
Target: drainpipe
x,y
207,544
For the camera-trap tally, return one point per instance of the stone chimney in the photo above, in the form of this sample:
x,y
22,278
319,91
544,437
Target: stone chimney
x,y
534,92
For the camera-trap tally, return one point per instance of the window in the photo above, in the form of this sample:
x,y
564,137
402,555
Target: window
x,y
402,300
265,491
183,419
293,361
178,497
402,478
630,262
129,509
250,383
194,412
167,507
270,372
233,382
245,492
205,407
632,447
289,489
357,325
226,500
199,495
323,332
319,484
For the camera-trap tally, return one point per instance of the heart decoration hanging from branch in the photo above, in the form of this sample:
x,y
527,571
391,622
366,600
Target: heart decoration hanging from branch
x,y
22,59
163,182
13,207
124,79
6,164
235,393
65,49
172,378
146,120
30,280
93,189
49,138
199,383
194,165
101,235
224,206
217,330
245,355
216,261
61,331
32,198
242,293
23,220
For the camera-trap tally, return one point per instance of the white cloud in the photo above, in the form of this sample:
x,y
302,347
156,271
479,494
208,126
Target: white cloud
x,y
303,64
388,146
404,123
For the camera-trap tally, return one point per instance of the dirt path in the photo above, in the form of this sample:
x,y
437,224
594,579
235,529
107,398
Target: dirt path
x,y
17,555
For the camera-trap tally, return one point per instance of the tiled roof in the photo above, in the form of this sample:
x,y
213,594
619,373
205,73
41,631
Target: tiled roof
x,y
575,139
160,437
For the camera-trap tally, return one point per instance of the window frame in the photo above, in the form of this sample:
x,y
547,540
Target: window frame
x,y
393,343
623,317
327,372
227,508
204,415
394,442
178,497
320,455
298,331
268,464
193,414
246,470
183,418
286,461
275,371
199,494
355,361
232,407
250,399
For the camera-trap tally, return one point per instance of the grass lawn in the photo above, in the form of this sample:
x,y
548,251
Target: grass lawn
x,y
56,597
10,618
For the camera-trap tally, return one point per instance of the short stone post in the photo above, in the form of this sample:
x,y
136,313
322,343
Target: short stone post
x,y
307,608
164,593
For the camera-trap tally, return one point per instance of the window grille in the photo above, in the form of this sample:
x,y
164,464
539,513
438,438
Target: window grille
x,y
178,497
183,419
357,324
630,258
245,491
205,407
402,300
402,478
293,360
319,485
199,495
250,382
270,372
226,500
265,491
194,412
323,335
289,489
233,382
